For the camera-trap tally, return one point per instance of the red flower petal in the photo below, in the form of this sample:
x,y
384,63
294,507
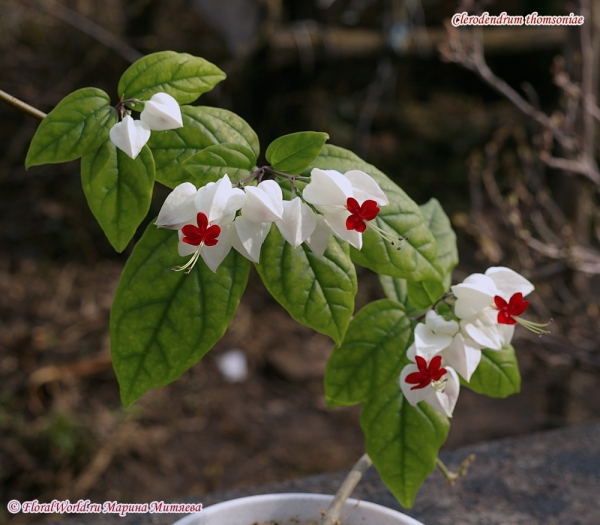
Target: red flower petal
x,y
369,210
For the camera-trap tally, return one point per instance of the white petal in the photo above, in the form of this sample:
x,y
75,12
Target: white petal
x,y
428,344
418,394
319,239
412,352
337,222
183,248
213,255
327,188
509,282
178,207
298,222
162,112
219,199
445,401
365,188
475,293
263,203
463,355
438,325
506,333
130,136
484,329
251,236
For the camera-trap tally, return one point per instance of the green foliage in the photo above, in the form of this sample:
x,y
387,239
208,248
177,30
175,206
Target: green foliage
x,y
417,260
420,296
184,77
317,292
445,238
118,190
397,290
497,374
202,127
372,354
162,322
212,163
80,123
403,441
294,153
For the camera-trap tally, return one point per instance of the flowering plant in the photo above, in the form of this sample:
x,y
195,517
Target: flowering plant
x,y
304,219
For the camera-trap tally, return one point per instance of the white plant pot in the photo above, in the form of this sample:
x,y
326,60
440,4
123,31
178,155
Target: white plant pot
x,y
293,509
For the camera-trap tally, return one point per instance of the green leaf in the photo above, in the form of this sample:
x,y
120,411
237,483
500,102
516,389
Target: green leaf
x,y
210,164
184,77
403,441
445,238
417,260
118,190
162,322
372,354
202,127
497,374
293,153
397,290
317,292
80,123
424,294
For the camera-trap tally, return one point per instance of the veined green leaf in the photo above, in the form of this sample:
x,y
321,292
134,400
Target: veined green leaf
x,y
184,77
372,353
497,374
445,238
317,292
417,260
202,127
396,289
293,153
210,164
80,123
403,441
162,322
118,190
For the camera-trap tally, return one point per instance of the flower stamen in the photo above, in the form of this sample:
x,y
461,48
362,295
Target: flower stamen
x,y
200,235
509,312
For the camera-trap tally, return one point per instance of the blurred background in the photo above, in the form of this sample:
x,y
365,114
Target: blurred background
x,y
492,126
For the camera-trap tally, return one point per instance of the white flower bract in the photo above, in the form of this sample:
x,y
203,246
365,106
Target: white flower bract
x,y
130,136
161,113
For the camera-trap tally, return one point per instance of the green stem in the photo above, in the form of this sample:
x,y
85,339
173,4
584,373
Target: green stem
x,y
450,476
24,107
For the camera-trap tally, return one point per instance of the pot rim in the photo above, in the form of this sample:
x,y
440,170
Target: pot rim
x,y
323,499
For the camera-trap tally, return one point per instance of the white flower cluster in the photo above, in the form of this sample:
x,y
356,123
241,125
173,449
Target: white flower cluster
x,y
160,113
218,216
487,308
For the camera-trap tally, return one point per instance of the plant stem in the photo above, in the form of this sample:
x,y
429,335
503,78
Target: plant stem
x,y
19,104
343,493
450,476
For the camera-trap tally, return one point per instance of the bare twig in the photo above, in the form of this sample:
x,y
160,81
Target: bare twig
x,y
572,166
24,107
343,493
85,25
451,477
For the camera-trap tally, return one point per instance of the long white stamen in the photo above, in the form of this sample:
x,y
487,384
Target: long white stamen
x,y
386,235
439,385
536,328
191,263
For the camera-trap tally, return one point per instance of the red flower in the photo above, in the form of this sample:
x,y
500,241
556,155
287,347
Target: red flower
x,y
195,235
359,214
516,306
426,374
